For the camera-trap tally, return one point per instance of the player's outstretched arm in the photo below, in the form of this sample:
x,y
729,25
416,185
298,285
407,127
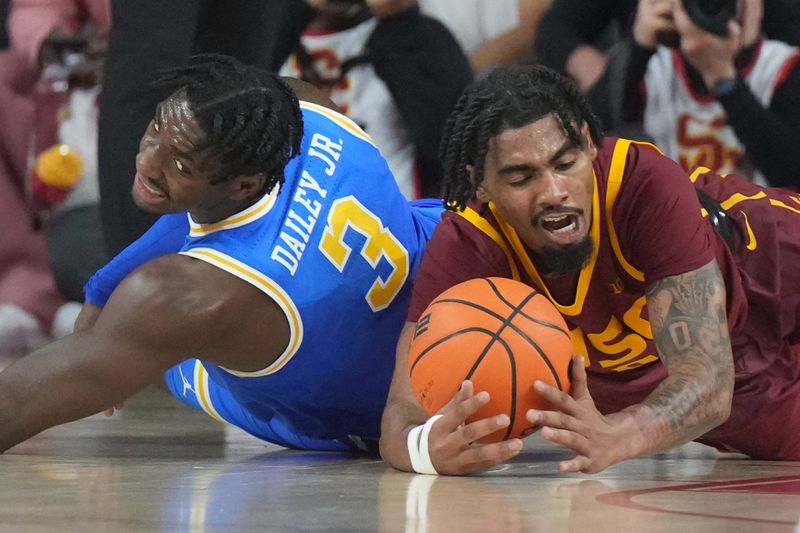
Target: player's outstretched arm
x,y
451,441
687,313
159,315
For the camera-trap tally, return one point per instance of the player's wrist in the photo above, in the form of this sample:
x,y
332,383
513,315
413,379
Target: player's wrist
x,y
720,80
632,439
417,444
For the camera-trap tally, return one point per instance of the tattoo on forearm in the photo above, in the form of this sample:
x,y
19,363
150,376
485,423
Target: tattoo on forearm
x,y
689,322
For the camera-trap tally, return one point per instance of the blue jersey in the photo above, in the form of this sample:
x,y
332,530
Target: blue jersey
x,y
337,247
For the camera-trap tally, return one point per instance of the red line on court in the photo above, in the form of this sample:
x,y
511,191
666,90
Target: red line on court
x,y
625,498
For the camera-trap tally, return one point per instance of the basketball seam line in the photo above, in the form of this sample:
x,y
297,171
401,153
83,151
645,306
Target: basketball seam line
x,y
512,326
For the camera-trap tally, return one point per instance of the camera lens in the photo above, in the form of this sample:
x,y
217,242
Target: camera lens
x,y
711,15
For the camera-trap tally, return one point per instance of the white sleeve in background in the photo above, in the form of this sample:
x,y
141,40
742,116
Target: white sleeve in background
x,y
473,22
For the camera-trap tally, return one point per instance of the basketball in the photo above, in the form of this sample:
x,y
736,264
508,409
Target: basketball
x,y
501,334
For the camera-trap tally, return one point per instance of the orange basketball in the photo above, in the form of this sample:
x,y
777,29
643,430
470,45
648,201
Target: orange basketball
x,y
501,334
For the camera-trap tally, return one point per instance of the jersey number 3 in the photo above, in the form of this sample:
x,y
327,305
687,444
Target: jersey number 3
x,y
347,213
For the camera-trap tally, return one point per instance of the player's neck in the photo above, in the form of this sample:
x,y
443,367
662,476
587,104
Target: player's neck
x,y
219,212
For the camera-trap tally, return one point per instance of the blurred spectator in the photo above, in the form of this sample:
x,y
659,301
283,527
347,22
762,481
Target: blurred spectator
x,y
491,33
574,37
151,35
397,73
729,103
28,295
39,28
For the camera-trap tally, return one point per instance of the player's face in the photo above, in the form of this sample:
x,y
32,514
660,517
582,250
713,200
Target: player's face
x,y
542,184
171,176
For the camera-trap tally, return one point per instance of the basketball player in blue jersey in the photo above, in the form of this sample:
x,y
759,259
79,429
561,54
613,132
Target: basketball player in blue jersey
x,y
272,291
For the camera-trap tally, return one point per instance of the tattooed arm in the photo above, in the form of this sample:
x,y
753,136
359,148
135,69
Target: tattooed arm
x,y
687,313
690,327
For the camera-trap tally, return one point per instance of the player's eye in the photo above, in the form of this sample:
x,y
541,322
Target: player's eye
x,y
181,167
520,180
565,165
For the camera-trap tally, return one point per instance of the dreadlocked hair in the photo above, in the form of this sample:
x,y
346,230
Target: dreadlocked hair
x,y
251,119
509,97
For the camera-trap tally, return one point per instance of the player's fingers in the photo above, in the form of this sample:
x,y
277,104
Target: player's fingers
x,y
571,439
463,392
579,387
553,419
482,457
558,398
455,414
480,428
579,463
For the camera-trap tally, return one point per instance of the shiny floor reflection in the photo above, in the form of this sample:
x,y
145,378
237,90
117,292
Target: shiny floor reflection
x,y
158,466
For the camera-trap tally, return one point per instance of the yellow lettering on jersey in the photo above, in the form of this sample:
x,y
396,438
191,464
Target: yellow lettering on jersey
x,y
633,319
628,347
778,203
348,212
579,344
699,171
739,197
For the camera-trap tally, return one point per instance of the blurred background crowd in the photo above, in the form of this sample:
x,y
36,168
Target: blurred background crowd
x,y
713,83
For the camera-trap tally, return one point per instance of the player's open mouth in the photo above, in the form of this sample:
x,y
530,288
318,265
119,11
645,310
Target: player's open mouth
x,y
562,228
560,223
147,190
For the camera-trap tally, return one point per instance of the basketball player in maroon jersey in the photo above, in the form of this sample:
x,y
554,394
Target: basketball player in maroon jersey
x,y
681,292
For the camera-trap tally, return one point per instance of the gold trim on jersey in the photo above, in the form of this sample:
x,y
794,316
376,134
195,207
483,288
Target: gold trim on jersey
x,y
202,392
271,289
483,225
778,203
575,308
615,174
343,121
752,244
696,173
254,212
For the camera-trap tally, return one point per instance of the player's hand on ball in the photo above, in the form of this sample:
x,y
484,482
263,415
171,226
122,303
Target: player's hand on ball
x,y
451,442
576,423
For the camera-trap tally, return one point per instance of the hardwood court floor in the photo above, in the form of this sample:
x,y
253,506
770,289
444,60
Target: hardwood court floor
x,y
158,466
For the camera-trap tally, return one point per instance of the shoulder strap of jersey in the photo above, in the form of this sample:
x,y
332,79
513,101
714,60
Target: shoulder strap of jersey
x,y
616,173
482,224
343,121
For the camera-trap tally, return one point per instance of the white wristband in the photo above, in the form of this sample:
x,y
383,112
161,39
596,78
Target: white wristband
x,y
418,447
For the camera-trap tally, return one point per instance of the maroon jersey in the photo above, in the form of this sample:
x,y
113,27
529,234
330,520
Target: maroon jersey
x,y
647,224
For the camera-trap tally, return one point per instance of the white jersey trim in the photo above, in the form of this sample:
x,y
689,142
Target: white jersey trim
x,y
252,213
343,121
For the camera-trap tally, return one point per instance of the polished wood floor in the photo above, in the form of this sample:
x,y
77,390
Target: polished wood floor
x,y
158,466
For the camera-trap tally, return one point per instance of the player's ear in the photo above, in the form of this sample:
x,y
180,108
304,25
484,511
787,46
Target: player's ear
x,y
587,139
480,190
246,187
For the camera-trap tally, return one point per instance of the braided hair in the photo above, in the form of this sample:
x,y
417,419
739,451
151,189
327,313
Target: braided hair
x,y
251,119
509,97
